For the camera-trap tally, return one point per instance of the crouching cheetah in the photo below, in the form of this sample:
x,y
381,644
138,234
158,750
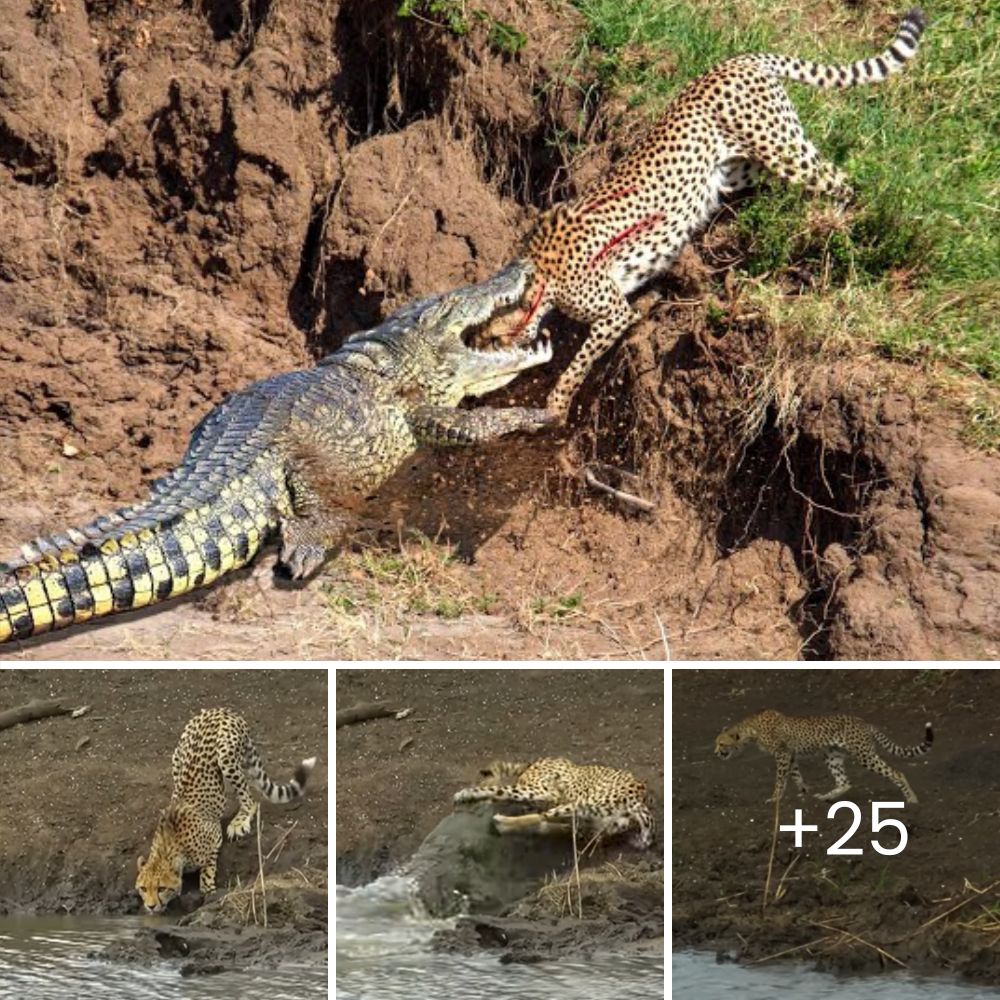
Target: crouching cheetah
x,y
215,749
588,254
605,801
787,737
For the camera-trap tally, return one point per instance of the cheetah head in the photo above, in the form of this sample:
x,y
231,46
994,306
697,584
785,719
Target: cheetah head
x,y
729,743
157,883
501,770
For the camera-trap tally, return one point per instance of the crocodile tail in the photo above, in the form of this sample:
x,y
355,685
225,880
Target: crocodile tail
x,y
126,561
892,59
271,790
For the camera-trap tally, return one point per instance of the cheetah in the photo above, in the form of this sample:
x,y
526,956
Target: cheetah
x,y
719,133
606,801
215,749
787,737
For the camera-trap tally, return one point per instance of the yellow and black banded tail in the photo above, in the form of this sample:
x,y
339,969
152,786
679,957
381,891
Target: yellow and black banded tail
x,y
122,563
892,59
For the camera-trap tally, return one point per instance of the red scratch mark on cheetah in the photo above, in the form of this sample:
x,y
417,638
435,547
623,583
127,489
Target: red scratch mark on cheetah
x,y
529,313
613,196
639,227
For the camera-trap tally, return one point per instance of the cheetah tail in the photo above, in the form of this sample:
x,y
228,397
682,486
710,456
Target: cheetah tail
x,y
915,751
272,791
891,60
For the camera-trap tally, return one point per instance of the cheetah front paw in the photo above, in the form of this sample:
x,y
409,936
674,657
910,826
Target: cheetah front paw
x,y
239,826
835,793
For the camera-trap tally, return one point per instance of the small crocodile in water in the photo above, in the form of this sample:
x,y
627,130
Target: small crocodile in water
x,y
290,457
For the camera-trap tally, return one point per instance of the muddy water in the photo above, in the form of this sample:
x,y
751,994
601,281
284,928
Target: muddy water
x,y
46,958
383,954
698,975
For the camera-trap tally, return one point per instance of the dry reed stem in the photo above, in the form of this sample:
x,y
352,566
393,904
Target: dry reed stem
x,y
784,875
952,909
576,869
774,844
788,951
260,873
280,842
860,940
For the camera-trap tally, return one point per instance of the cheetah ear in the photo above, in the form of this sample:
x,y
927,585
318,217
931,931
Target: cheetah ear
x,y
140,862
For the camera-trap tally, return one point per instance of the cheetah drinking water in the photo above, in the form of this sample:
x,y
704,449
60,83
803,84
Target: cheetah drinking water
x,y
787,737
604,800
215,749
588,254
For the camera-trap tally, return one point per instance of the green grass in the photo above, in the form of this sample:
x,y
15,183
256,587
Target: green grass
x,y
922,152
458,18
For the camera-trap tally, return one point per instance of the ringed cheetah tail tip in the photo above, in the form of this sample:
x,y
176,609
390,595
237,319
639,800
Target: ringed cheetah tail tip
x,y
303,770
929,729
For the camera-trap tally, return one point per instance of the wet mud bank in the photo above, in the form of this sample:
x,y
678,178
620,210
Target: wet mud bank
x,y
930,909
83,795
217,937
519,893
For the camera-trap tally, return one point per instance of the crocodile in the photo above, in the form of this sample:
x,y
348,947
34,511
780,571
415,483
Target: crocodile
x,y
290,458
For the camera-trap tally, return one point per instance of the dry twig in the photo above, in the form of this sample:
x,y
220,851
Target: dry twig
x,y
860,940
774,844
362,713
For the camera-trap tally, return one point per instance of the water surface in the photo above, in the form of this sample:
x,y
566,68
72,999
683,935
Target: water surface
x,y
383,954
698,975
45,958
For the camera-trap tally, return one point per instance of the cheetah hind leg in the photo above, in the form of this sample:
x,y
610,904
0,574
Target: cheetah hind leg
x,y
795,159
498,793
879,766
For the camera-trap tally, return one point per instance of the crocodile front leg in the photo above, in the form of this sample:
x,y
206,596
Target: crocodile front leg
x,y
444,425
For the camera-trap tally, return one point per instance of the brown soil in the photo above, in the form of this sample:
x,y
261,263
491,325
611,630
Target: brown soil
x,y
81,796
931,908
395,780
200,196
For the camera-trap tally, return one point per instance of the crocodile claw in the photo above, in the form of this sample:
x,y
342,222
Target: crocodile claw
x,y
303,559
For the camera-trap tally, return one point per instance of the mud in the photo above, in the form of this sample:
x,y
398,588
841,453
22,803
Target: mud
x,y
72,836
395,813
930,909
195,198
210,941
